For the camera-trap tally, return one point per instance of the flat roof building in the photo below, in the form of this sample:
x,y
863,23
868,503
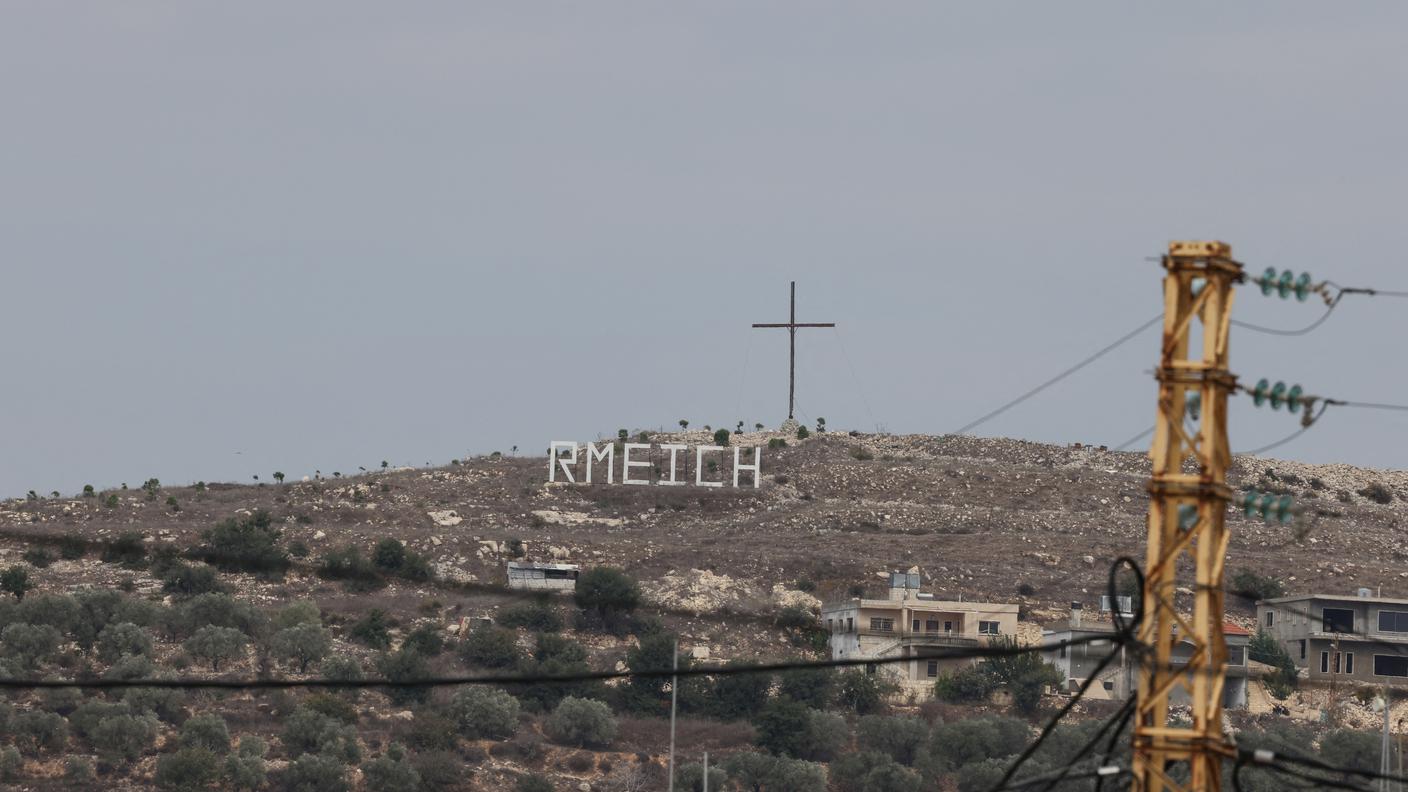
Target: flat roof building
x,y
1357,637
542,577
906,623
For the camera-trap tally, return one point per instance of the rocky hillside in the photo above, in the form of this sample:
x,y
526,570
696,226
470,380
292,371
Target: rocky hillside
x,y
980,517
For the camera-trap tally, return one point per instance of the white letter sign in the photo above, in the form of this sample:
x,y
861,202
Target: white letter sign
x,y
699,466
554,460
627,464
609,454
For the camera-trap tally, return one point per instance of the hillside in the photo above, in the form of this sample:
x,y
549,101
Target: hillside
x,y
982,518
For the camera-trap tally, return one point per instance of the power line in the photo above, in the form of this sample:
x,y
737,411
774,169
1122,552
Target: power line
x,y
922,653
1068,372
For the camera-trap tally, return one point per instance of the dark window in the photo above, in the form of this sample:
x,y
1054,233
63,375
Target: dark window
x,y
1393,621
987,627
1302,648
1337,662
916,625
1270,618
560,574
1349,663
1236,655
1324,662
1391,665
878,624
1109,685
850,624
931,626
870,668
948,626
1063,650
933,669
1338,620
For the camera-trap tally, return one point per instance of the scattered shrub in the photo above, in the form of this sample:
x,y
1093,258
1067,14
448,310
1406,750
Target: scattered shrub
x,y
37,730
316,773
901,738
38,557
1264,648
607,597
250,544
333,706
30,644
216,645
424,640
245,768
952,745
11,763
186,580
480,712
341,667
78,770
302,644
760,771
121,639
489,646
738,696
537,614
208,731
532,783
72,548
187,769
15,581
404,666
127,549
1251,585
802,433
1377,493
782,727
349,566
389,555
690,778
296,613
122,739
372,630
582,723
861,453
309,732
966,685
814,687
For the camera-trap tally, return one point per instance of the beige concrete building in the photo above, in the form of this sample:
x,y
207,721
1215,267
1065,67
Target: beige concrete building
x,y
906,623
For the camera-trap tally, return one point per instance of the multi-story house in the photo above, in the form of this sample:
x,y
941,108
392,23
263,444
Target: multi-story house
x,y
907,623
1360,638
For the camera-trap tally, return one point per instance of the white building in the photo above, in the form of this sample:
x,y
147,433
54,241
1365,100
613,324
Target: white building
x,y
542,577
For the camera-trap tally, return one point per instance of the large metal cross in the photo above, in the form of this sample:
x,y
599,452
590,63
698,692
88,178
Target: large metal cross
x,y
792,326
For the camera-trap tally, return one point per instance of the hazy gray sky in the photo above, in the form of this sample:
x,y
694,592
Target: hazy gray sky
x,y
244,237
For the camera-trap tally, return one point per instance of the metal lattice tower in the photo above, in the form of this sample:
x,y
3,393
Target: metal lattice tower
x,y
1186,526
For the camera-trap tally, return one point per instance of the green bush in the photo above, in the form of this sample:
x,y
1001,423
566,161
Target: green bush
x,y
15,581
953,745
802,433
341,667
774,774
581,723
424,640
372,630
38,557
250,544
966,685
186,580
349,566
738,696
720,437
310,732
537,614
11,763
1253,586
389,555
863,693
121,639
391,772
690,778
122,739
826,737
555,655
216,645
482,712
216,610
37,730
78,770
72,548
404,666
301,645
607,597
782,727
127,549
206,730
187,769
296,613
900,737
1264,648
316,773
532,783
488,646
30,644
814,687
245,768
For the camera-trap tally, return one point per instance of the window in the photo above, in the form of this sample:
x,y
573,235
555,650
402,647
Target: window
x,y
916,625
829,626
1063,651
987,628
870,669
850,624
1271,618
1337,662
931,626
1236,655
1391,665
948,626
1349,662
1109,684
1337,620
1324,662
1393,621
1302,648
933,669
878,624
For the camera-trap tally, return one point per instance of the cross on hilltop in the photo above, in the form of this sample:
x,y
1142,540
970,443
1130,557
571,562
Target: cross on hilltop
x,y
792,324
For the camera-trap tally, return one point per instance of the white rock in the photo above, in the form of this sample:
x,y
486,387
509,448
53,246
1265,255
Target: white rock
x,y
445,519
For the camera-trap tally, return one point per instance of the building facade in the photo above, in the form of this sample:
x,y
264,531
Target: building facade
x,y
542,577
1119,679
907,623
1359,638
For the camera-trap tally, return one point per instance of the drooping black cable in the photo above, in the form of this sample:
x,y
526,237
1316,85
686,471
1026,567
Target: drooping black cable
x,y
1068,372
